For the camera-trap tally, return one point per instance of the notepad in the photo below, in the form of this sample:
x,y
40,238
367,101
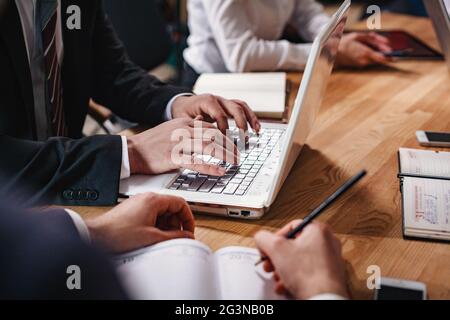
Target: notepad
x,y
426,201
185,269
265,93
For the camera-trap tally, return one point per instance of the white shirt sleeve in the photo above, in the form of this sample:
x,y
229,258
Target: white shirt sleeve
x,y
242,50
80,225
327,296
125,170
309,19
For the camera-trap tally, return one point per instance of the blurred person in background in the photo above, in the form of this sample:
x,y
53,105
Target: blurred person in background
x,y
247,36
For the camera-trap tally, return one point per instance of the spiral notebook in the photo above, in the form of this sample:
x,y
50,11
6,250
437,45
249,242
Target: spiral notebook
x,y
425,186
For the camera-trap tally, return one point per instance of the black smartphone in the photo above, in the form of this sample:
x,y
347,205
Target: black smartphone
x,y
397,289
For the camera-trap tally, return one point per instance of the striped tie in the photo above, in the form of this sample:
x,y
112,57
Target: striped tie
x,y
49,18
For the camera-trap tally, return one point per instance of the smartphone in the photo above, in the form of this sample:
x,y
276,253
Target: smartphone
x,y
433,139
397,289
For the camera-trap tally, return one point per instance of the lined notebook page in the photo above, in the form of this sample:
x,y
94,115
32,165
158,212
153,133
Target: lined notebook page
x,y
240,279
423,162
175,270
265,93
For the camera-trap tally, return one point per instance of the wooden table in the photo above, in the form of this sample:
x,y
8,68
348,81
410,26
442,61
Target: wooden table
x,y
366,117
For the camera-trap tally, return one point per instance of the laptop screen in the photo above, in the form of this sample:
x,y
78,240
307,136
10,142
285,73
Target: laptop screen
x,y
312,90
439,12
447,7
317,84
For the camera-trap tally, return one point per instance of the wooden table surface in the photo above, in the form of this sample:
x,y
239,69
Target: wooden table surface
x,y
367,115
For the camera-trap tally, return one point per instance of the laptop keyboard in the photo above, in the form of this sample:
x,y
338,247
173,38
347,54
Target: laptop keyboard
x,y
237,178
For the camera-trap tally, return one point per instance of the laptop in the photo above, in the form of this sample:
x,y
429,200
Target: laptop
x,y
439,12
249,189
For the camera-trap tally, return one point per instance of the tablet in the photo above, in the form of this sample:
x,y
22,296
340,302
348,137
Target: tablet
x,y
407,46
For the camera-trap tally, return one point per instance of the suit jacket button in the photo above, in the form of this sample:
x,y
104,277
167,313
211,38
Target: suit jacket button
x,y
93,195
68,194
78,195
84,194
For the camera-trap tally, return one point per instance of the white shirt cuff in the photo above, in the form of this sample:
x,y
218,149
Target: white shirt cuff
x,y
80,225
125,170
168,113
327,296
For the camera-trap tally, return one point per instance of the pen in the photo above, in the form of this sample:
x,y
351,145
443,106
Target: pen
x,y
316,212
409,175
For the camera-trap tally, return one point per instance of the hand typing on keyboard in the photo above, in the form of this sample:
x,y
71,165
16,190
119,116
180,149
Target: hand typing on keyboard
x,y
237,178
180,143
216,109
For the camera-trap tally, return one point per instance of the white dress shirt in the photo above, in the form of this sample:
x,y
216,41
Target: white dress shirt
x,y
244,36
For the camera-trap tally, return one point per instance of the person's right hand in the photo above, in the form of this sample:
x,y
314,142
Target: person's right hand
x,y
356,50
176,144
310,265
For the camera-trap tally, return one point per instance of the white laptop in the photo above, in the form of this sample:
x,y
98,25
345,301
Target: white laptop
x,y
439,12
248,190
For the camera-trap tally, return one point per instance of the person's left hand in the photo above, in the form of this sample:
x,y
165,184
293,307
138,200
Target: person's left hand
x,y
216,109
361,49
142,220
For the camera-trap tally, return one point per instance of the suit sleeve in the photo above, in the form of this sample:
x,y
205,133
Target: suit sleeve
x,y
121,85
42,247
63,171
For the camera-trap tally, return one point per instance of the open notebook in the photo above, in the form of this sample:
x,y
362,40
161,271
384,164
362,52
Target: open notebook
x,y
425,181
186,269
265,93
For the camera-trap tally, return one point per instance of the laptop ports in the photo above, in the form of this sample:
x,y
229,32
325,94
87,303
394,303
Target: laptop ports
x,y
239,213
245,213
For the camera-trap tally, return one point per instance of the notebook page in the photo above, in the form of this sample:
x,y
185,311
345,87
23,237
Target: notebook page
x,y
176,270
427,204
238,277
265,93
422,162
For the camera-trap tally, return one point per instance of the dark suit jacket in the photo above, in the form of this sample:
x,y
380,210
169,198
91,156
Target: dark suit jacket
x,y
37,249
72,171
